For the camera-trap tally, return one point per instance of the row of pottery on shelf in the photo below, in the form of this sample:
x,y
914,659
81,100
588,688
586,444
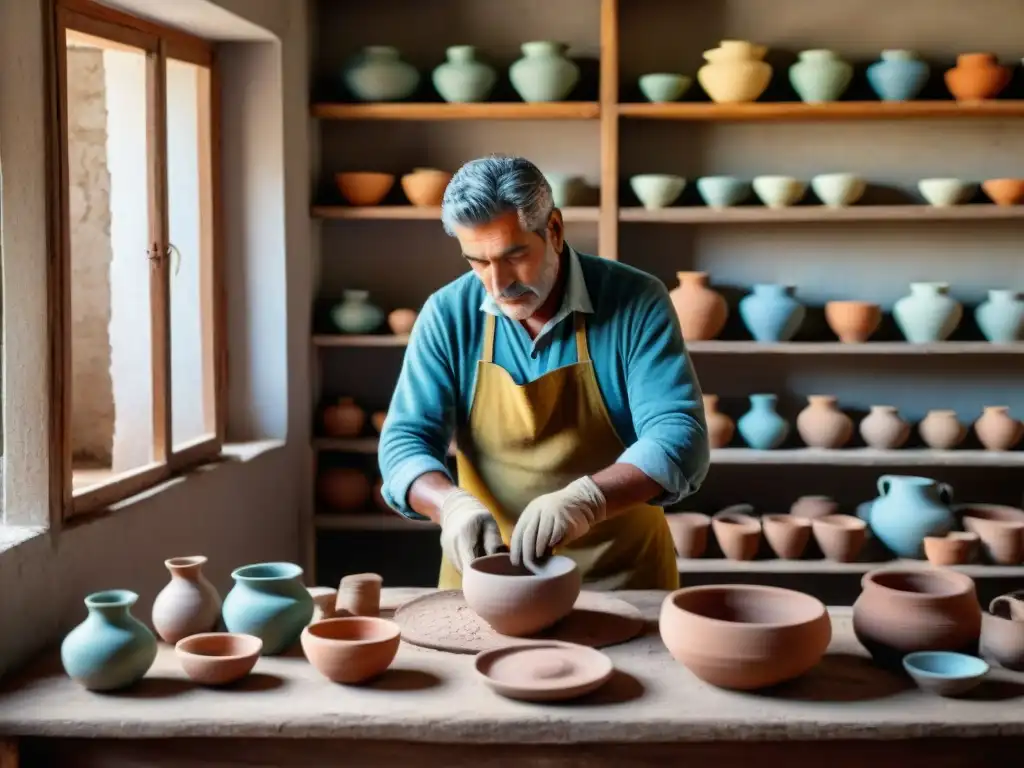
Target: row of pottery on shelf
x,y
356,314
821,424
423,187
544,73
771,313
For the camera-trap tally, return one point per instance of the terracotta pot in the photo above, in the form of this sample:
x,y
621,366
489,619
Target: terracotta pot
x,y
853,321
976,76
324,599
189,604
721,428
883,429
738,534
900,611
996,429
941,430
1004,191
814,506
218,658
840,537
425,187
1002,637
689,532
344,418
702,312
786,535
515,601
359,595
363,189
1000,528
344,488
744,637
401,321
955,548
351,650
822,425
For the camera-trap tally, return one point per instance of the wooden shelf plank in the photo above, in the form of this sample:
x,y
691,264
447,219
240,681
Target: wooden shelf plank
x,y
346,444
357,340
555,110
869,457
823,567
416,213
819,213
837,110
370,521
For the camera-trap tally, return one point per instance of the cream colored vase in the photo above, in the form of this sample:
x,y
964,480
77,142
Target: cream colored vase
x,y
735,72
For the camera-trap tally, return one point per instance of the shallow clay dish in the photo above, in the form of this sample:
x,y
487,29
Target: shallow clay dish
x,y
352,649
364,188
544,670
945,673
217,658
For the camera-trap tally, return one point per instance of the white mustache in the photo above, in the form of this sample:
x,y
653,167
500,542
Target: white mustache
x,y
515,291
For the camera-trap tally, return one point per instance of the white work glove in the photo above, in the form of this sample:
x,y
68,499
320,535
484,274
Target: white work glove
x,y
468,530
556,518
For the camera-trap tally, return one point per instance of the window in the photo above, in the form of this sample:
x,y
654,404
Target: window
x,y
136,280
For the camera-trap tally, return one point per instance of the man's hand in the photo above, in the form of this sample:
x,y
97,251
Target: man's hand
x,y
468,530
557,518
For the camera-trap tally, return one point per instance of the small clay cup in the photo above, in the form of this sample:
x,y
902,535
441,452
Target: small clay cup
x,y
364,188
1000,528
738,534
359,595
1002,637
352,649
955,548
218,658
787,535
814,506
689,532
1004,191
1010,604
840,537
853,321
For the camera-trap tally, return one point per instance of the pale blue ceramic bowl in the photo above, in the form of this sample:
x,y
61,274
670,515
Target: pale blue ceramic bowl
x,y
660,87
945,673
722,191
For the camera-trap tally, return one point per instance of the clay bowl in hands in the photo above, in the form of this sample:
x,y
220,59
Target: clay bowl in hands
x,y
516,602
742,636
218,658
1004,191
955,548
352,649
944,672
364,188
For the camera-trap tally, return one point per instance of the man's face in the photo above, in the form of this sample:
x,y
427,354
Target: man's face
x,y
518,269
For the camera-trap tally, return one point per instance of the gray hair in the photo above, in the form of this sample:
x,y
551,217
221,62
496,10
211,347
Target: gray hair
x,y
484,189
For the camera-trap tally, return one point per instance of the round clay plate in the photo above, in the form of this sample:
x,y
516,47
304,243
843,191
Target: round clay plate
x,y
544,670
443,621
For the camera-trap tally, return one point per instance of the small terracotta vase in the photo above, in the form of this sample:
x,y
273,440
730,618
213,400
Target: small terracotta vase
x,y
401,321
840,537
425,187
738,534
721,428
786,535
343,488
702,312
1004,191
853,321
1000,528
377,420
883,429
822,425
364,188
977,76
689,532
344,418
941,430
812,507
955,548
1002,637
997,430
359,595
189,604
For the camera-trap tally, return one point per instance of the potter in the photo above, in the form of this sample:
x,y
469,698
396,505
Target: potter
x,y
578,412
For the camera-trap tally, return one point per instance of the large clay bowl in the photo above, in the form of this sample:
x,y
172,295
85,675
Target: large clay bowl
x,y
515,601
218,658
742,636
364,188
1004,191
352,649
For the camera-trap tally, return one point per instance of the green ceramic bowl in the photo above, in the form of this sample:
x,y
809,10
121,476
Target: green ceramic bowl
x,y
664,86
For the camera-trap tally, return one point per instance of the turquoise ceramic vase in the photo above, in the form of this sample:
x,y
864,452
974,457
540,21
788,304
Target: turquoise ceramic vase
x,y
898,76
761,427
270,601
928,313
462,78
356,314
379,74
1001,317
544,73
907,510
771,314
111,649
820,76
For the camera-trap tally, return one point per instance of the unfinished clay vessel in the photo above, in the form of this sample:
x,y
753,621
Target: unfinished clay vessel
x,y
364,188
351,650
1004,191
976,76
324,599
883,429
853,321
955,548
344,418
822,425
189,604
689,532
359,595
940,429
840,537
1000,528
425,187
702,312
787,535
401,321
344,488
996,429
218,658
900,611
1002,637
515,601
737,532
813,506
742,636
721,428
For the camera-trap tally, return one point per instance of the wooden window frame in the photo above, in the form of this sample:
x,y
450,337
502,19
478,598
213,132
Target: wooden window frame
x,y
160,43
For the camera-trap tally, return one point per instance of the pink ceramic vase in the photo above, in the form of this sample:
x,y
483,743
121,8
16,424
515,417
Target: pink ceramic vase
x,y
721,428
942,430
822,425
996,429
883,429
189,604
702,312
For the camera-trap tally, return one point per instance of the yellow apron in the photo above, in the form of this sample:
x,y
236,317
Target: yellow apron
x,y
524,441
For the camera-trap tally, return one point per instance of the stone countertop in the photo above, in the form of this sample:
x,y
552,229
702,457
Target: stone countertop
x,y
430,696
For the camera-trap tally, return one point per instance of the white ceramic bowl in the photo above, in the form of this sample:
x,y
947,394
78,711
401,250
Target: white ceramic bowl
x,y
779,191
722,191
837,190
945,192
657,190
